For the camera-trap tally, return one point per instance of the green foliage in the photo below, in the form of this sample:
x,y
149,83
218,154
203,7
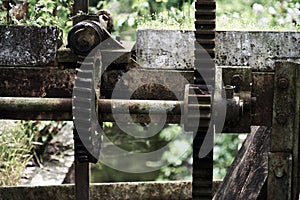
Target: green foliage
x,y
40,133
15,152
167,14
226,147
159,14
258,15
178,162
42,13
179,165
102,173
173,19
231,15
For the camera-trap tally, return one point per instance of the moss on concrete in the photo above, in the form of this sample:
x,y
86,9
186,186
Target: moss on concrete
x,y
132,191
28,45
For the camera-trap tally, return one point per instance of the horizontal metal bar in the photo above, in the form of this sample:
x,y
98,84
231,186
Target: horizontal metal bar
x,y
23,104
140,106
61,108
136,111
142,118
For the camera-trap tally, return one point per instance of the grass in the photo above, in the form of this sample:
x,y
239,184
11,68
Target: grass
x,y
15,149
238,16
173,19
229,24
20,142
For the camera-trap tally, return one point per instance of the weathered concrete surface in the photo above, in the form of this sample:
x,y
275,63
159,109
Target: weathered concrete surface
x,y
28,45
167,49
259,50
115,191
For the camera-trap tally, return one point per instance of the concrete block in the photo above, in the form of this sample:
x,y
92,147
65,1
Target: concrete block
x,y
28,45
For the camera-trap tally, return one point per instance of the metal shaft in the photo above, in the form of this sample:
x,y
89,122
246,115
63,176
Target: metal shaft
x,y
43,108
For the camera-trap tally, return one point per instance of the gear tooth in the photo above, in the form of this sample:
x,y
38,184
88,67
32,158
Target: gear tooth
x,y
205,25
199,99
199,106
84,83
82,113
87,145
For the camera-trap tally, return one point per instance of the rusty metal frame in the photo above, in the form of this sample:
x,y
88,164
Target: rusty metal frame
x,y
283,179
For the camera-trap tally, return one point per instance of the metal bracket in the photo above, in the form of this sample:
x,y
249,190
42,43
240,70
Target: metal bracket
x,y
238,115
283,159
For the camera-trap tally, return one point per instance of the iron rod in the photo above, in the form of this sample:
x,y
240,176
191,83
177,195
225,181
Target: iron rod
x,y
64,105
140,106
23,104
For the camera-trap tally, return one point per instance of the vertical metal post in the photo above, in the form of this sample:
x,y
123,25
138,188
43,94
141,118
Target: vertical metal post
x,y
82,180
283,158
80,5
82,171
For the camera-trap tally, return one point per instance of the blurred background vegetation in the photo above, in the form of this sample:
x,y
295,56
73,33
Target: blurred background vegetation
x,y
25,141
130,15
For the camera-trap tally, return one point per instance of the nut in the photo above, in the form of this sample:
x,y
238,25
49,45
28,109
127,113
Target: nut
x,y
236,80
279,173
283,83
281,118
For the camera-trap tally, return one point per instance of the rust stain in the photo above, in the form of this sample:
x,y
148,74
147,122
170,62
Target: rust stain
x,y
36,82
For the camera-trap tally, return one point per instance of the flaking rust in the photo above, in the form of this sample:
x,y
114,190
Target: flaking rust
x,y
153,107
156,84
36,82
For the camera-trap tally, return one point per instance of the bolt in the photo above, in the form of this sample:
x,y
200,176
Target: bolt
x,y
236,80
279,173
282,118
253,99
283,83
229,89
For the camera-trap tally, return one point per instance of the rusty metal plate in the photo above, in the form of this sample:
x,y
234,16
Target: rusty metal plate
x,y
36,82
263,92
146,84
55,82
239,76
285,133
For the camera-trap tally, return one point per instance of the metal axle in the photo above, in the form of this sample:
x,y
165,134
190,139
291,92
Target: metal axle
x,y
61,108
